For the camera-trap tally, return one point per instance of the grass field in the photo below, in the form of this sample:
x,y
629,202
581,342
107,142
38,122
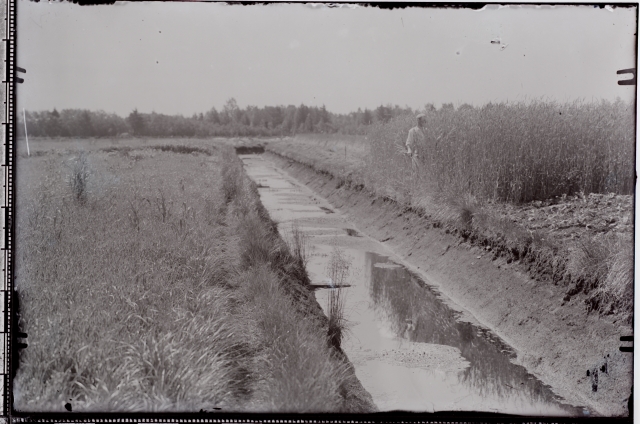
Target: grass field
x,y
544,183
151,279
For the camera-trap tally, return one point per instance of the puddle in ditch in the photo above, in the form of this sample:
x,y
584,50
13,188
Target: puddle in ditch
x,y
411,350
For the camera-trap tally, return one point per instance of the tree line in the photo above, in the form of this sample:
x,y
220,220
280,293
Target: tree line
x,y
230,121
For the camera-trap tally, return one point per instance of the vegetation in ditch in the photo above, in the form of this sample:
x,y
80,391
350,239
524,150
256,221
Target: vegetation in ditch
x,y
337,272
164,286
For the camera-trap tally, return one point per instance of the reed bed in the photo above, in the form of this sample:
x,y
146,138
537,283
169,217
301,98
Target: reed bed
x,y
515,152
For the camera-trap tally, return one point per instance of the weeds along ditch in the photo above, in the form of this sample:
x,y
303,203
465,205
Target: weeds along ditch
x,y
478,162
154,280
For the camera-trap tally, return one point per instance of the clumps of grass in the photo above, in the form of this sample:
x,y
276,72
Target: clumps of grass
x,y
602,267
258,234
128,320
298,243
337,272
299,374
163,205
124,150
78,178
182,149
232,175
193,367
173,148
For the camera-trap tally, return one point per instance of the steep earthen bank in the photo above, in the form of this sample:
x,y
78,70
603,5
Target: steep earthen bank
x,y
558,342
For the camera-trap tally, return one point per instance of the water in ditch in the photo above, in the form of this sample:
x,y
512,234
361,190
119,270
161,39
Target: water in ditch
x,y
412,348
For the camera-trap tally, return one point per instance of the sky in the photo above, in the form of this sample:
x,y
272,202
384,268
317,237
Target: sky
x,y
185,58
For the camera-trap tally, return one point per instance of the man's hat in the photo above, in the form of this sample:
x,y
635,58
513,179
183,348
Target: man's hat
x,y
422,115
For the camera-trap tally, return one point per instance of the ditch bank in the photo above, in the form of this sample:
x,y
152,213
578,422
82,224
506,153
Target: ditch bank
x,y
573,351
264,245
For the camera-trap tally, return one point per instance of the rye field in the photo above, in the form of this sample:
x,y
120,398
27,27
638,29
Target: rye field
x,y
150,278
512,152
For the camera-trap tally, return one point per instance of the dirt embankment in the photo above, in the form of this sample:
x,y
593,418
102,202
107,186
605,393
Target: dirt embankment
x,y
556,340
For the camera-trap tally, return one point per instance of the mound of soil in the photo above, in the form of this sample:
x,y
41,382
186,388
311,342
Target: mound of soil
x,y
572,217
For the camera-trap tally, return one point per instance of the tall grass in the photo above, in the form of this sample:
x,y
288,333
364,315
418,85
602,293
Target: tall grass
x,y
516,152
300,373
603,268
147,296
79,176
124,304
298,244
338,272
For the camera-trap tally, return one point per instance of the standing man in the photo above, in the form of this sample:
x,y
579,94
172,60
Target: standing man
x,y
417,137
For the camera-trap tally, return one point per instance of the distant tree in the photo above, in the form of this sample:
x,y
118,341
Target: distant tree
x,y
86,127
105,125
300,116
384,113
367,118
254,114
308,123
213,116
274,115
136,122
429,107
231,111
244,119
288,123
324,115
52,125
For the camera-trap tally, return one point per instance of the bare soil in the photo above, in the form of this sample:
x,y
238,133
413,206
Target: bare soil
x,y
557,341
572,217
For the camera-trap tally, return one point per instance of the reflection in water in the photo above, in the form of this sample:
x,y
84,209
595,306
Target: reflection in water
x,y
415,313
